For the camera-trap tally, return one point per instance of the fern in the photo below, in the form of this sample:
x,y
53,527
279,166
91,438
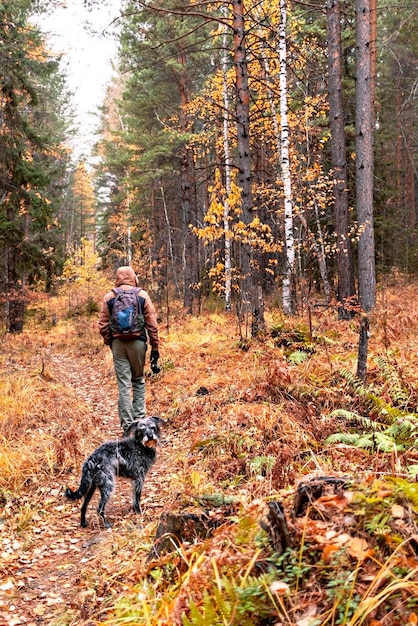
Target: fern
x,y
385,442
386,411
356,383
262,465
349,416
397,393
407,490
297,357
398,436
405,428
413,470
234,601
370,394
205,616
349,439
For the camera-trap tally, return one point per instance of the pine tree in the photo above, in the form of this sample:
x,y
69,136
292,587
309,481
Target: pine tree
x,y
32,161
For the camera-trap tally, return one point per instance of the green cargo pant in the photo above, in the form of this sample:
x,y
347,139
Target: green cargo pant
x,y
129,361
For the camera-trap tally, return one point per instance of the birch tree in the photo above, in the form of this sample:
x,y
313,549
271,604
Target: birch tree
x,y
228,164
287,296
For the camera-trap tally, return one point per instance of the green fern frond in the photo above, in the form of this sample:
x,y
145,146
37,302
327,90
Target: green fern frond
x,y
356,383
226,600
349,416
367,442
386,443
351,439
412,470
297,357
384,410
406,427
261,465
397,393
407,489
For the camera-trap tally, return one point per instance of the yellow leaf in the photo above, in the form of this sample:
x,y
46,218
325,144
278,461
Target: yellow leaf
x,y
195,478
358,548
39,609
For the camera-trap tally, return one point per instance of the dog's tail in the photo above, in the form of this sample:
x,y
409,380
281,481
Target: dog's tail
x,y
81,491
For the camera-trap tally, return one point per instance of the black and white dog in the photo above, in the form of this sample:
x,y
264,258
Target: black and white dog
x,y
130,457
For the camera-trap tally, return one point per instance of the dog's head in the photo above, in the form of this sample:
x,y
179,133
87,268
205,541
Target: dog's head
x,y
147,431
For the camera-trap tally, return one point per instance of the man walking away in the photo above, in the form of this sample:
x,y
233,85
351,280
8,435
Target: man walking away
x,y
127,321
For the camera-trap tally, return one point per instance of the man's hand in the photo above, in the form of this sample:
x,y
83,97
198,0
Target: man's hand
x,y
154,356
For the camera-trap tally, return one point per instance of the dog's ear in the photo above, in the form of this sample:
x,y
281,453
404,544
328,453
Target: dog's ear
x,y
158,419
131,428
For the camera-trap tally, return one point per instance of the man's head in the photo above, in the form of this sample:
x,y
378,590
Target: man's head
x,y
126,276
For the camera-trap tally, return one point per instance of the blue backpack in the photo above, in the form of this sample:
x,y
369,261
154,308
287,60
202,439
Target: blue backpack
x,y
126,313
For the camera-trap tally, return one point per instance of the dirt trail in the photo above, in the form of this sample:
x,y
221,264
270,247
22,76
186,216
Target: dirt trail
x,y
42,563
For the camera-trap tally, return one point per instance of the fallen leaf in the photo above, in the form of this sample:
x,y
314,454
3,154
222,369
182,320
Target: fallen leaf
x,y
398,511
342,539
39,609
358,548
279,588
6,586
328,551
309,617
340,502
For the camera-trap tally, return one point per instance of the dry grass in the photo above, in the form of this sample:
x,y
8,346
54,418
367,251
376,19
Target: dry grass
x,y
41,420
244,423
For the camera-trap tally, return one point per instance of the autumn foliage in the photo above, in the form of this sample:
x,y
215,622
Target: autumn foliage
x,y
281,423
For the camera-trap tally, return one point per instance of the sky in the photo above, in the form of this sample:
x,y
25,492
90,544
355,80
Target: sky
x,y
84,37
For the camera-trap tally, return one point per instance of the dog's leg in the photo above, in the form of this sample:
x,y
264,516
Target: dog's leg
x,y
87,499
137,490
105,495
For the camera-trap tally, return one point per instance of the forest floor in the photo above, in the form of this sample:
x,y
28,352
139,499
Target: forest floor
x,y
229,411
43,558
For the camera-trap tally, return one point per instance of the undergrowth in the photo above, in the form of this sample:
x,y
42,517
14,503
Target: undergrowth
x,y
244,426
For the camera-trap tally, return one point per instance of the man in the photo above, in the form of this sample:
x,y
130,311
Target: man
x,y
129,351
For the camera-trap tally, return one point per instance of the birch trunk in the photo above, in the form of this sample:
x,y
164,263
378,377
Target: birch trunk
x,y
319,250
227,155
288,301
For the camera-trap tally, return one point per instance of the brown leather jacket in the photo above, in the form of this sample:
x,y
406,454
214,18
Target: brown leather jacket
x,y
126,278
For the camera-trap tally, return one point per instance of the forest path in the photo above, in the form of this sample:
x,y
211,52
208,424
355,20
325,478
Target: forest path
x,y
43,561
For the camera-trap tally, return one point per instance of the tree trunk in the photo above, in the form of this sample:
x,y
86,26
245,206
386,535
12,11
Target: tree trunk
x,y
251,293
364,156
14,293
188,189
363,346
344,248
288,299
228,163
